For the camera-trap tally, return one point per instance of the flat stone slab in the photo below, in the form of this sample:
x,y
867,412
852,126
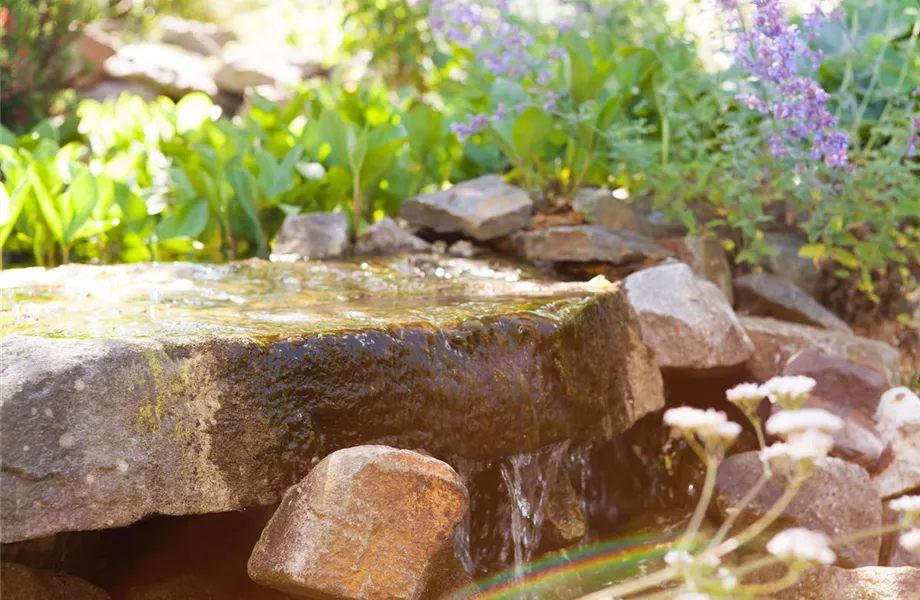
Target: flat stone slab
x,y
184,389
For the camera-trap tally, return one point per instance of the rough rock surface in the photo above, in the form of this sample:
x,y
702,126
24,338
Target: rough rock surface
x,y
845,382
172,71
367,523
19,582
185,389
386,238
898,421
787,263
563,518
866,583
706,257
313,235
201,38
837,499
766,295
775,342
586,243
852,392
601,207
686,321
484,208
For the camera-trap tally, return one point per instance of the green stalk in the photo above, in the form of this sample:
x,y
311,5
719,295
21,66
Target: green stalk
x,y
738,508
712,468
763,522
636,585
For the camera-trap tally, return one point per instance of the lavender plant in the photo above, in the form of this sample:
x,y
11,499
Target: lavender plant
x,y
696,567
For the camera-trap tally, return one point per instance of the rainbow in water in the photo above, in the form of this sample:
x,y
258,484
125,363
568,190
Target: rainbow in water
x,y
587,568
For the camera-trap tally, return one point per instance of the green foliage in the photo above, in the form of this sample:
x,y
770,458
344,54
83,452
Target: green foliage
x,y
37,55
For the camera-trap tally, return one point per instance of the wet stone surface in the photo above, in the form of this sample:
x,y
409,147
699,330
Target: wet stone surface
x,y
181,389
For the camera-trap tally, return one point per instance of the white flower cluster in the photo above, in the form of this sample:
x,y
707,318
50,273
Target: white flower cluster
x,y
789,391
807,434
746,396
787,423
712,427
910,541
802,545
908,507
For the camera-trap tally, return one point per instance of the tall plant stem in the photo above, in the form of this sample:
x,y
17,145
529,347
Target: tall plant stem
x,y
712,468
761,524
738,508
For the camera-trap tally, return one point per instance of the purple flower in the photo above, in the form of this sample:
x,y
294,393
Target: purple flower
x,y
771,50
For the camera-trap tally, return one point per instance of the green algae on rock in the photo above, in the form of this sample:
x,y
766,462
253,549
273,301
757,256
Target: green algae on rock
x,y
246,374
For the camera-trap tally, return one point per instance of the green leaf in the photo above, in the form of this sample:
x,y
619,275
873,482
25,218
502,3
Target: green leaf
x,y
531,130
78,203
246,189
45,204
813,251
10,207
7,138
185,221
424,126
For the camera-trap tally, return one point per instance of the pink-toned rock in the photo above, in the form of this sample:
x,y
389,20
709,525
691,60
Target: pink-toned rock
x,y
368,523
775,342
893,554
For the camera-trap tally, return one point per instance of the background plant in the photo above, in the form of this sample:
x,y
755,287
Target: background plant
x,y
37,57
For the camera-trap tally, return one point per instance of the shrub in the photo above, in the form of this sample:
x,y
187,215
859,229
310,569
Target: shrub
x,y
36,55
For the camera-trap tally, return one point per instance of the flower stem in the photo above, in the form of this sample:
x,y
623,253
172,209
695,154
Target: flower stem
x,y
759,526
712,468
738,508
633,586
866,533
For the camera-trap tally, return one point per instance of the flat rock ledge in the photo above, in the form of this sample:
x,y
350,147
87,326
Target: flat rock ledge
x,y
227,387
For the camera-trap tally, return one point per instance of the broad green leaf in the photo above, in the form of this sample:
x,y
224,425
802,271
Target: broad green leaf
x,y
193,110
424,125
46,204
185,221
10,207
7,138
531,130
78,203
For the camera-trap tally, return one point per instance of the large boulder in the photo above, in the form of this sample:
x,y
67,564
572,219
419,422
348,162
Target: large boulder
x,y
367,523
20,582
484,208
766,295
313,235
170,70
898,421
775,342
893,553
183,389
686,321
837,499
386,238
586,243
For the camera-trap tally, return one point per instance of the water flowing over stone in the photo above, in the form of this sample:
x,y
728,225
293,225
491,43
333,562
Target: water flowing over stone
x,y
183,389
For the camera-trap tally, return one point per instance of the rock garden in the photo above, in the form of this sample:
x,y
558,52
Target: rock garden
x,y
491,300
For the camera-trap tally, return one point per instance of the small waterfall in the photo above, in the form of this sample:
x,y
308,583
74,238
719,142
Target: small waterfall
x,y
466,469
528,478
